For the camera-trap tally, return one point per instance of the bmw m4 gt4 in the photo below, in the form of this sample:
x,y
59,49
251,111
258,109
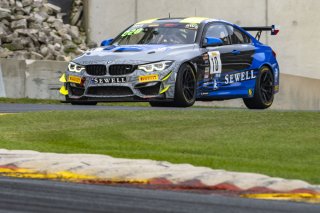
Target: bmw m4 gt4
x,y
175,62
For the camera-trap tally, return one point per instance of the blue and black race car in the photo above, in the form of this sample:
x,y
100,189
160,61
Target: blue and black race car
x,y
174,62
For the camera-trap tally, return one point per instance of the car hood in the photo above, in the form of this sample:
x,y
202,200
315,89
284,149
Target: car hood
x,y
134,54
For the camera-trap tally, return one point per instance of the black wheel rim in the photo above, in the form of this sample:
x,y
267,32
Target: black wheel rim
x,y
188,85
266,87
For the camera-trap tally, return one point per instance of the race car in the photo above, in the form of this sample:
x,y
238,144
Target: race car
x,y
175,62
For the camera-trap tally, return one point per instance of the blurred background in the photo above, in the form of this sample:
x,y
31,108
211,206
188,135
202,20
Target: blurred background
x,y
296,46
62,29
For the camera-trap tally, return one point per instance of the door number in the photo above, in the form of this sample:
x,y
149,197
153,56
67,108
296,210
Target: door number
x,y
215,62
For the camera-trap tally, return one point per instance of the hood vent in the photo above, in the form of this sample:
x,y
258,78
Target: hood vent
x,y
128,49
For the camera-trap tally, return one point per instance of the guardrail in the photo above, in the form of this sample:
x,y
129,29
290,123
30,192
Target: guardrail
x,y
31,78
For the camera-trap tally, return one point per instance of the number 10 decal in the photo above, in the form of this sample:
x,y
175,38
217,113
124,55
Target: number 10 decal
x,y
215,62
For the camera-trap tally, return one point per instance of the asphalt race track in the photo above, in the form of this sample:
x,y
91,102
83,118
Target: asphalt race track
x,y
25,195
15,108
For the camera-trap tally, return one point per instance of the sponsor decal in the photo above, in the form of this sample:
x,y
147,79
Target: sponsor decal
x,y
276,75
215,84
250,92
240,76
74,79
211,84
192,26
205,84
206,72
161,49
138,26
205,57
276,88
109,80
206,75
148,78
132,32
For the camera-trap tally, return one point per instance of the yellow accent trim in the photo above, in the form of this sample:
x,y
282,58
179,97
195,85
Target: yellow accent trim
x,y
63,78
167,76
64,91
148,78
149,21
164,90
304,197
193,20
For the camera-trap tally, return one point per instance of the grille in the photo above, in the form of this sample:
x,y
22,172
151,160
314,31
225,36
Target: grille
x,y
96,69
110,91
121,69
76,91
153,90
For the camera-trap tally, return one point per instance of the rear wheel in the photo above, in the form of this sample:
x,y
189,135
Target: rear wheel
x,y
264,91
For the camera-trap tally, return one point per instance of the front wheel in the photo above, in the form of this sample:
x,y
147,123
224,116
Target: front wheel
x,y
185,88
264,91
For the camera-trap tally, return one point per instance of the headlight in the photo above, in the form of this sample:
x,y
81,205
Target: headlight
x,y
73,67
158,66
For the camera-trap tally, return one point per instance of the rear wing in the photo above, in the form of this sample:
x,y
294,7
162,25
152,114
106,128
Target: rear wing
x,y
273,28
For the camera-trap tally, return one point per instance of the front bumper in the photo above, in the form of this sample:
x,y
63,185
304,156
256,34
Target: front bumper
x,y
137,86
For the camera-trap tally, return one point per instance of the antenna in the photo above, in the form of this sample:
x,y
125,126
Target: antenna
x,y
195,11
169,15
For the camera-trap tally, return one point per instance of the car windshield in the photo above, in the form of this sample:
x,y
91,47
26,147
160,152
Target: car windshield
x,y
168,33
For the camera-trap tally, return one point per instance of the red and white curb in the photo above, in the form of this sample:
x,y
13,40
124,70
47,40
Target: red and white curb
x,y
106,169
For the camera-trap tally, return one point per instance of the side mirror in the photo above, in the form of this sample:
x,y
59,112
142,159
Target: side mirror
x,y
212,42
106,42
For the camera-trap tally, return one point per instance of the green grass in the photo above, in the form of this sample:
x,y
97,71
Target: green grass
x,y
284,144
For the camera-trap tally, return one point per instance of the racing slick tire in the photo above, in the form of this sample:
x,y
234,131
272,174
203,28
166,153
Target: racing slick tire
x,y
185,88
88,103
264,91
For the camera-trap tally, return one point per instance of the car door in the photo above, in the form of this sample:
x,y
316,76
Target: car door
x,y
219,58
240,51
229,61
